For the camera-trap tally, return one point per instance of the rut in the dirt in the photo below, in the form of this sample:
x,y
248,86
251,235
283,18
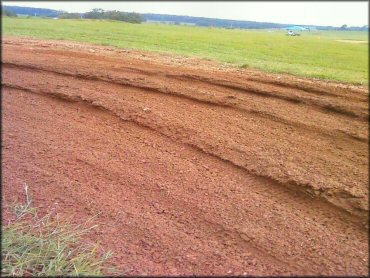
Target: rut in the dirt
x,y
240,102
271,171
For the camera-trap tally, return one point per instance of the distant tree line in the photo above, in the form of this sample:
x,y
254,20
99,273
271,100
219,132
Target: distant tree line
x,y
93,14
344,27
32,11
213,22
70,15
242,24
8,13
101,14
174,19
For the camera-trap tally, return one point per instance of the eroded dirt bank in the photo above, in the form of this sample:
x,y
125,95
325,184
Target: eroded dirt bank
x,y
195,168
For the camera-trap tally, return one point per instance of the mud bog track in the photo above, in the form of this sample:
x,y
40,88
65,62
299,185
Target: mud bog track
x,y
192,168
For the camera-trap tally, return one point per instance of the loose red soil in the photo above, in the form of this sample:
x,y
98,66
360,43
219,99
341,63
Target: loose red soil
x,y
191,166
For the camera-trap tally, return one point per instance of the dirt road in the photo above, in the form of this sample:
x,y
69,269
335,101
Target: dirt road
x,y
193,167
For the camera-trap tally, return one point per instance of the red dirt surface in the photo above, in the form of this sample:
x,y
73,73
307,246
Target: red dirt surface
x,y
191,166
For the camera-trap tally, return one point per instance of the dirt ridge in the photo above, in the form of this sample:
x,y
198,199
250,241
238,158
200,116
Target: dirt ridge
x,y
243,89
335,197
152,88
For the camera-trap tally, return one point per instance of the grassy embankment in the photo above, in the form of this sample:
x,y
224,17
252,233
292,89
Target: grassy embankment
x,y
314,54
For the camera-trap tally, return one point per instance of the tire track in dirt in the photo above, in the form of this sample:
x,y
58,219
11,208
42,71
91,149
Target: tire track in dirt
x,y
305,86
246,89
342,198
219,103
361,109
336,197
208,184
251,90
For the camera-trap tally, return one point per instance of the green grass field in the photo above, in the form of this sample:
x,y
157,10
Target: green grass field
x,y
313,54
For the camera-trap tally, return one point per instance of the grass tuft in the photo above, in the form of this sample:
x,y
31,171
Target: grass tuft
x,y
47,246
245,66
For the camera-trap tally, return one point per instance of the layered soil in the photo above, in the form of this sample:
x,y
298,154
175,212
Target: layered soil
x,y
191,167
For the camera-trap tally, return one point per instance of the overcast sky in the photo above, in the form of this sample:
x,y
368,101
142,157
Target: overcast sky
x,y
305,13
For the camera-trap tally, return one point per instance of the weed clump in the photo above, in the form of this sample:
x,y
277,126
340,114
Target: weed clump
x,y
48,247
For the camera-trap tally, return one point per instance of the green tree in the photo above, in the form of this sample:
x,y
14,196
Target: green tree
x,y
8,13
70,16
95,14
